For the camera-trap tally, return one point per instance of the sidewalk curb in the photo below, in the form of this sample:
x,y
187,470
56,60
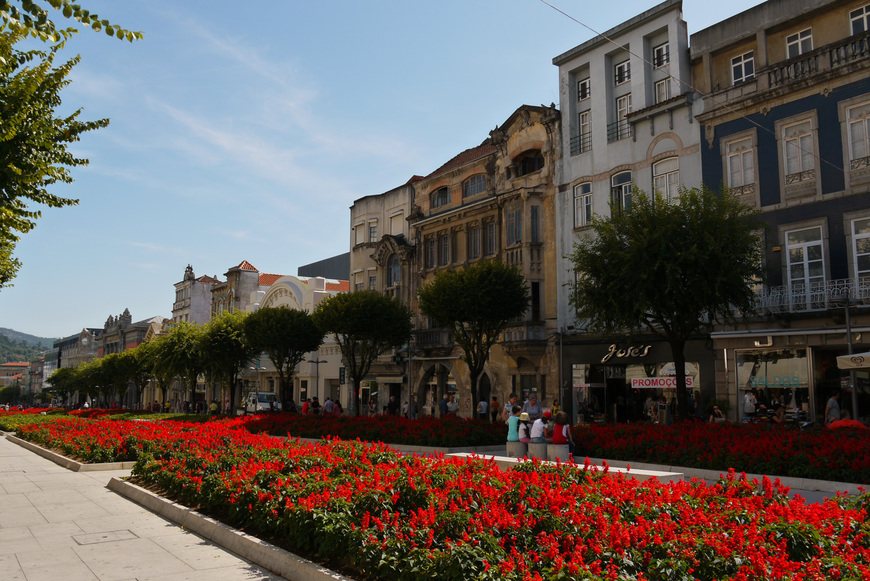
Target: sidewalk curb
x,y
259,552
66,462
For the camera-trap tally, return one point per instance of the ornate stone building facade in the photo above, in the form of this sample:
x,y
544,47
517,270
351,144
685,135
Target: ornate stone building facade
x,y
494,201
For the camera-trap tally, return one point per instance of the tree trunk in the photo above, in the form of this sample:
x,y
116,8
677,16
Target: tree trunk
x,y
475,377
678,349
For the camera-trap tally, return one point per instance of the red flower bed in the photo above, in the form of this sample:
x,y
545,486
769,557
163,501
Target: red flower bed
x,y
838,455
377,514
427,431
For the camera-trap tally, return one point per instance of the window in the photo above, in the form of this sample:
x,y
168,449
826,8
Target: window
x,y
585,142
359,232
799,43
531,161
582,204
373,231
861,237
661,55
621,128
743,67
806,263
663,90
489,240
474,185
443,250
798,150
622,73
583,88
394,270
373,282
621,190
397,224
514,228
859,132
666,178
430,252
474,242
860,19
358,286
440,197
535,219
741,163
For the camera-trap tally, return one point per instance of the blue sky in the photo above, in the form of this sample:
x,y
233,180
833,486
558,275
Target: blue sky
x,y
245,131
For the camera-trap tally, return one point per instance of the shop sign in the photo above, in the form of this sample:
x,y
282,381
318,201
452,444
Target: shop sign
x,y
774,381
639,351
660,382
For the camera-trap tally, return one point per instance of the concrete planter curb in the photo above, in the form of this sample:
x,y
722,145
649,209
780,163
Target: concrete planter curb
x,y
792,482
66,462
259,552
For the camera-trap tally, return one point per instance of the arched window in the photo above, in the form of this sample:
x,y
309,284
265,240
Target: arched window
x,y
620,189
394,270
440,197
474,185
666,178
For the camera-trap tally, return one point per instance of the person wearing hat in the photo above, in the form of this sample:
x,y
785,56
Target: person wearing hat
x,y
523,428
539,429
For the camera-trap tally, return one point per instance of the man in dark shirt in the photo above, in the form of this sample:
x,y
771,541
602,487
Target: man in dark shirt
x,y
393,406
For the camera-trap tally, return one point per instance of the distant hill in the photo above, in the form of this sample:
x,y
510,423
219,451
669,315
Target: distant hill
x,y
17,346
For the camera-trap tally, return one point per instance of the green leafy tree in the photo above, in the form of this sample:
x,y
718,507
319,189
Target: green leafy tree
x,y
34,141
476,303
33,18
63,383
285,335
159,364
137,363
225,350
670,268
365,325
184,354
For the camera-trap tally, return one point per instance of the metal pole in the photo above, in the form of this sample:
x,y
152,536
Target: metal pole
x,y
852,378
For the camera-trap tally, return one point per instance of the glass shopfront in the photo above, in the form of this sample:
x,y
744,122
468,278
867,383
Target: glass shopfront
x,y
773,385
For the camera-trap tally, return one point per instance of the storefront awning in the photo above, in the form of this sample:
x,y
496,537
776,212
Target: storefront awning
x,y
390,379
856,361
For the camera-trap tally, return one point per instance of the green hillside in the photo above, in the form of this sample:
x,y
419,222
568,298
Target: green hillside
x,y
15,346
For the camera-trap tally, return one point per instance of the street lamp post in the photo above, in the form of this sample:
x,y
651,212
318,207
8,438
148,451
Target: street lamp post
x,y
316,363
846,302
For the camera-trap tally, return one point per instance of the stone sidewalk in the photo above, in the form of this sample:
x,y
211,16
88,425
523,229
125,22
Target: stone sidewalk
x,y
61,525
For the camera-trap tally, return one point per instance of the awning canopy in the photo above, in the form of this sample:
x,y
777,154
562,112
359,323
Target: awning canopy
x,y
390,379
855,361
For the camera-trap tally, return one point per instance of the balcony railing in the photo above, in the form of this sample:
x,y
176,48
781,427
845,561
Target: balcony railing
x,y
619,130
433,339
581,143
820,60
820,296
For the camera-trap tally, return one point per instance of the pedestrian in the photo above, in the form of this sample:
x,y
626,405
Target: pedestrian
x,y
533,407
442,405
328,406
509,406
405,409
393,406
494,409
562,432
452,406
413,408
482,407
832,409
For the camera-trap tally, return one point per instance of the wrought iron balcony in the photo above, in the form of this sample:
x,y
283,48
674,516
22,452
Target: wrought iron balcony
x,y
619,130
581,143
820,296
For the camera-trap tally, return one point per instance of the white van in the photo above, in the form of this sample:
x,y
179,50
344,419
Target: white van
x,y
259,401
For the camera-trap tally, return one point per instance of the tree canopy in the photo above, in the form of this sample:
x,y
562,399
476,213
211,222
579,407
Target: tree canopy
x,y
669,268
225,351
33,18
366,324
285,335
476,303
34,141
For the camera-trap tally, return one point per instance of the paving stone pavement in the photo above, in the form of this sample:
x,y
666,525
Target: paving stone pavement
x,y
61,525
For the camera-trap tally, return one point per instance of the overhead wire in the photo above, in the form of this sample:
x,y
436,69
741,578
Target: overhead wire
x,y
691,87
